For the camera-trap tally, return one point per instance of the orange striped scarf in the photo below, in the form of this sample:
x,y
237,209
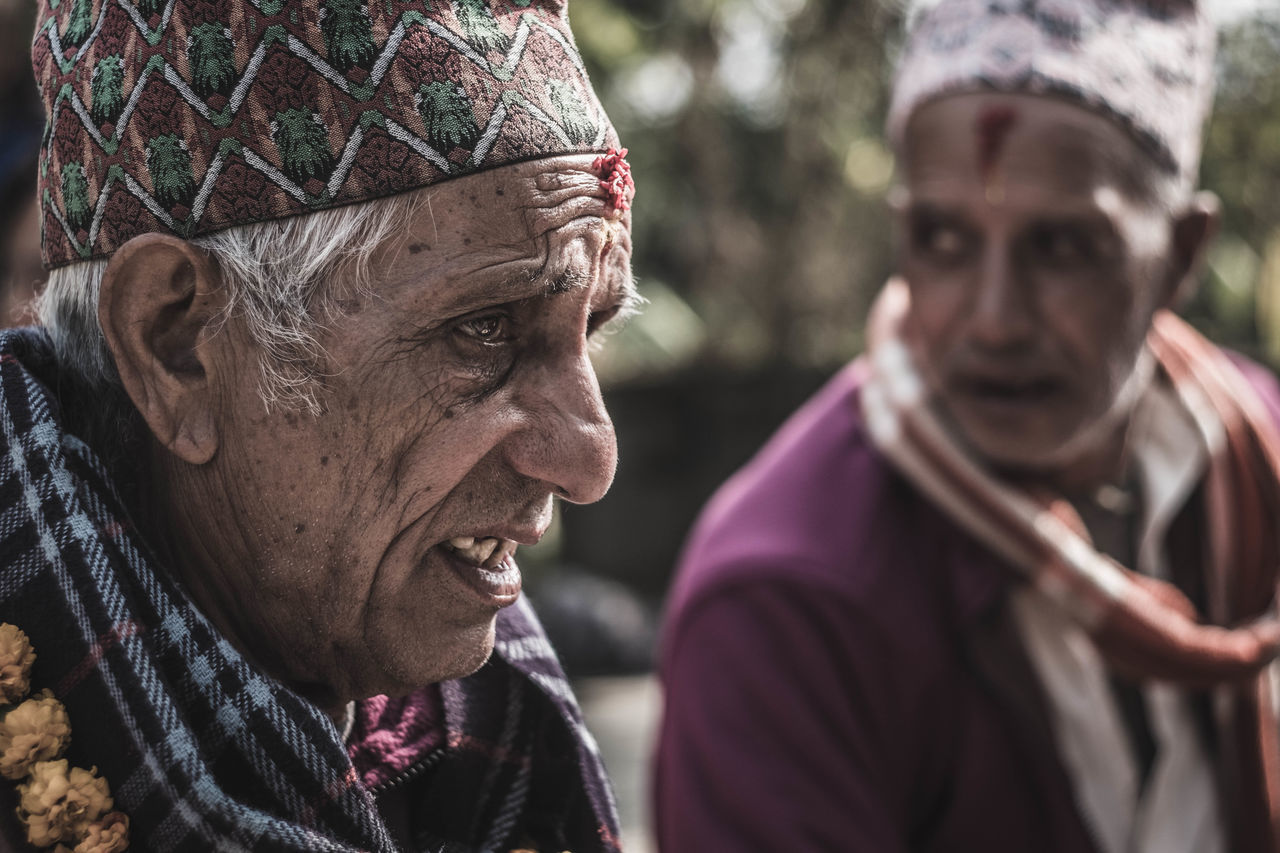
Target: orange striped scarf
x,y
1142,626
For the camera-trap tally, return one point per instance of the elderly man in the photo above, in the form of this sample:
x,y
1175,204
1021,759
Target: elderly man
x,y
313,363
1003,585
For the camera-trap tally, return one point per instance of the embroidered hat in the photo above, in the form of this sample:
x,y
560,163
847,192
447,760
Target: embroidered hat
x,y
1146,64
188,116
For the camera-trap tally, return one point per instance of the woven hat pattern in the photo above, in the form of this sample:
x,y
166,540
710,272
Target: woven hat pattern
x,y
189,116
1146,64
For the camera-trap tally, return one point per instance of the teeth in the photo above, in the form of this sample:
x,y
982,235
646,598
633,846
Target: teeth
x,y
487,552
506,549
484,548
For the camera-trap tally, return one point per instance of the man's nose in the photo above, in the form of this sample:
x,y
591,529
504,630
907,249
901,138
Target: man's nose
x,y
568,441
1002,313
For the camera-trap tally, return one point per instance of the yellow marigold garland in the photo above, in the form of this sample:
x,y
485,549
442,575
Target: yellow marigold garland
x,y
63,807
36,730
16,658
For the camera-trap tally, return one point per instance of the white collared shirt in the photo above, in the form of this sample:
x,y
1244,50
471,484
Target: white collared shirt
x,y
1178,811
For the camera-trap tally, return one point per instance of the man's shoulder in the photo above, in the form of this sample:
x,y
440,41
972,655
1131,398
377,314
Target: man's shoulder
x,y
817,507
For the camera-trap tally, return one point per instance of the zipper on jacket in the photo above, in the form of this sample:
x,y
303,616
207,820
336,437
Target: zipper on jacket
x,y
413,771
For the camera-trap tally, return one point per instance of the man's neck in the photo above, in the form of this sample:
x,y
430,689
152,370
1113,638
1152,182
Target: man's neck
x,y
1104,463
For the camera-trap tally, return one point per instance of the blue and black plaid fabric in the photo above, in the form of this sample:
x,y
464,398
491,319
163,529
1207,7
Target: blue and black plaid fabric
x,y
203,751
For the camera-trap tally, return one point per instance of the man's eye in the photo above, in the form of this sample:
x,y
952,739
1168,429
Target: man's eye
x,y
940,239
490,329
945,241
1061,245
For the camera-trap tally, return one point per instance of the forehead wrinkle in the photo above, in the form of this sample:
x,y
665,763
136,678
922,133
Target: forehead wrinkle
x,y
534,267
563,183
578,212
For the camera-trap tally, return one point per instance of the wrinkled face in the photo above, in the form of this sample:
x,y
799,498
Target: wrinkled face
x,y
380,535
1034,266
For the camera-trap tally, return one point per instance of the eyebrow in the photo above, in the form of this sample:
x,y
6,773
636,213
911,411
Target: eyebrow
x,y
529,284
1081,211
522,285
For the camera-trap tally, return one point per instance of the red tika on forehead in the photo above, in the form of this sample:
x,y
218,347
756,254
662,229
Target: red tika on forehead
x,y
992,128
615,178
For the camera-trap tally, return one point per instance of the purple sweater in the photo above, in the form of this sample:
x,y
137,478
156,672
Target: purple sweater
x,y
841,670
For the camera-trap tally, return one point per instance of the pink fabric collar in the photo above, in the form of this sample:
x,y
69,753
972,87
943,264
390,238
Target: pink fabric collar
x,y
391,735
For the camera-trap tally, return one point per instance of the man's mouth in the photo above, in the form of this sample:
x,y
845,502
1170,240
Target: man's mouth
x,y
1008,390
487,565
488,552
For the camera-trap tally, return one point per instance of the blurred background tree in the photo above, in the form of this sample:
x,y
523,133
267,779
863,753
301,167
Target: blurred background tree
x,y
762,232
1240,300
755,133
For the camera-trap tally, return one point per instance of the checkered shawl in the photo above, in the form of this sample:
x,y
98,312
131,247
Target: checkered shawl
x,y
1142,626
203,751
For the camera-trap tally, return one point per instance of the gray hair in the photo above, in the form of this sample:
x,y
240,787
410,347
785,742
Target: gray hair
x,y
285,281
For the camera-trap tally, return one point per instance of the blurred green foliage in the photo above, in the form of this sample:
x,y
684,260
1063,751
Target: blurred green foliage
x,y
761,230
1240,300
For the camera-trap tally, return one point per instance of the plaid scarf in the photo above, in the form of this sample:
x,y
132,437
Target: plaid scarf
x,y
1141,625
202,750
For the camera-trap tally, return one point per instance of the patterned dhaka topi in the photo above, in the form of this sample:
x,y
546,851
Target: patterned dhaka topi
x,y
189,116
1146,64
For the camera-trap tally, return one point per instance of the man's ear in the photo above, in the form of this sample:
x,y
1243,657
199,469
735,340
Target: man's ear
x,y
1193,231
159,296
